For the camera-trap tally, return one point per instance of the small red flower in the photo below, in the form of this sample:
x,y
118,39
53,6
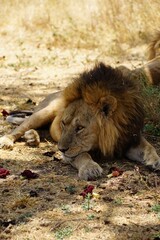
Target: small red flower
x,y
4,113
115,172
88,189
29,174
4,172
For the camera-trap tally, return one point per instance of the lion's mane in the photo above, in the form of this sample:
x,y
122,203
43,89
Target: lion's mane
x,y
116,103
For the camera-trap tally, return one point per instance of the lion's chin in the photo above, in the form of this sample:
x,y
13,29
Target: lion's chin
x,y
72,153
67,159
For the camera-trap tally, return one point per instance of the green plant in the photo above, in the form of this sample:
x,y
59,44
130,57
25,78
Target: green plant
x,y
20,63
151,102
156,236
24,217
90,217
118,201
156,209
87,202
63,233
65,209
70,189
151,91
87,229
152,129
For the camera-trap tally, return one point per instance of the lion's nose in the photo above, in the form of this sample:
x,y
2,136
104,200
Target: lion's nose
x,y
62,149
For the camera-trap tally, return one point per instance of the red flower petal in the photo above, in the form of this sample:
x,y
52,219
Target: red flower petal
x,y
114,172
4,172
29,174
116,169
88,189
4,113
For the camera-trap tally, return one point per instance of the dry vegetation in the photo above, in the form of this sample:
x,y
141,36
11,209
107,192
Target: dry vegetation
x,y
81,24
43,44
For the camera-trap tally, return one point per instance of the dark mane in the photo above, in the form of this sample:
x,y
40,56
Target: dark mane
x,y
102,77
106,77
116,103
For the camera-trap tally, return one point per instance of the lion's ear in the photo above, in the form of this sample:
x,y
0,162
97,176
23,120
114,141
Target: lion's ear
x,y
107,105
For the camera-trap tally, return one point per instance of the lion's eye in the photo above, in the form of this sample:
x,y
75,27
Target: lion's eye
x,y
79,128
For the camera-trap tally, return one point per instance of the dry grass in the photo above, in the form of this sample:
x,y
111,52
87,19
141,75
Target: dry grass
x,y
81,24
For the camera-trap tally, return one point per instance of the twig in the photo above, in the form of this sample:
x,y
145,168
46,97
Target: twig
x,y
58,224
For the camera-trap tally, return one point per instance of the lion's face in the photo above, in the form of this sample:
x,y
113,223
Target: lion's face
x,y
79,132
103,111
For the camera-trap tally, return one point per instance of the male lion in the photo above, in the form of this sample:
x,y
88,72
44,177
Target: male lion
x,y
100,110
154,46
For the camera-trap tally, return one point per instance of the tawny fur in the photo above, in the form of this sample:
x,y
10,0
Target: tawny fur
x,y
154,46
102,87
148,74
101,109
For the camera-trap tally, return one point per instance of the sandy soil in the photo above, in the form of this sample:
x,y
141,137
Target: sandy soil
x,y
44,208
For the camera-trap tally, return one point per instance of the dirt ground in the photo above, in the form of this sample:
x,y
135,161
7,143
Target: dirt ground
x,y
50,206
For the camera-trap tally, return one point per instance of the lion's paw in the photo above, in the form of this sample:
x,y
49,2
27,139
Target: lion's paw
x,y
154,164
32,138
91,171
151,158
6,142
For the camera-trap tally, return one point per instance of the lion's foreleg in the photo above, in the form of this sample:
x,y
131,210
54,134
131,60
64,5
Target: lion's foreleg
x,y
145,153
87,168
44,114
36,120
55,129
